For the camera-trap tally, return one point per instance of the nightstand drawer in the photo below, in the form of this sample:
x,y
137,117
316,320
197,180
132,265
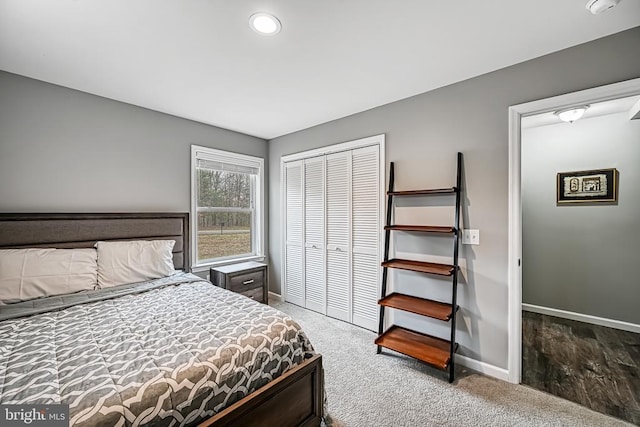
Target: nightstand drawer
x,y
256,294
243,282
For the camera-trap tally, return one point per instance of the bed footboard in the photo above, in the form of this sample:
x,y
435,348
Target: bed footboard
x,y
294,399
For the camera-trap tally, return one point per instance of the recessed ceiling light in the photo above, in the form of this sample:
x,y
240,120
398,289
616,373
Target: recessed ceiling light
x,y
265,24
572,114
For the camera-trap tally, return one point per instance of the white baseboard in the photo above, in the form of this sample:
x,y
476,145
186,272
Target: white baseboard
x,y
483,368
275,297
602,321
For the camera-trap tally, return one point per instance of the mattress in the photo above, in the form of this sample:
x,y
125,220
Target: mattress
x,y
173,351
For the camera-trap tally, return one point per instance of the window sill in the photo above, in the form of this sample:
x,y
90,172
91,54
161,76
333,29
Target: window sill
x,y
205,267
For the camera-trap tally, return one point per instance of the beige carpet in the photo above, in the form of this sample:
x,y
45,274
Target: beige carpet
x,y
365,389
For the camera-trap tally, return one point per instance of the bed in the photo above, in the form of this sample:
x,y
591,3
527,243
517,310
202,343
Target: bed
x,y
169,351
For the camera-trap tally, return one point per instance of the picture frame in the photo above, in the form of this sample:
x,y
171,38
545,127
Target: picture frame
x,y
590,186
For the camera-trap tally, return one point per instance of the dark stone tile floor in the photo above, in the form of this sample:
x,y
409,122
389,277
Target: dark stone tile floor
x,y
592,365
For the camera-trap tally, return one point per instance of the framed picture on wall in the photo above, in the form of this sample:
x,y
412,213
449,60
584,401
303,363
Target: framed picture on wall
x,y
594,186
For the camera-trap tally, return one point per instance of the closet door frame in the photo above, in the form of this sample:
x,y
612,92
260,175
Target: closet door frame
x,y
335,148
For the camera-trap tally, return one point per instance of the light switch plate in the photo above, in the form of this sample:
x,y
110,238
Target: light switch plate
x,y
470,237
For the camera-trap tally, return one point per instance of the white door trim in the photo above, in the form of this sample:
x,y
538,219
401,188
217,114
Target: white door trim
x,y
516,112
336,148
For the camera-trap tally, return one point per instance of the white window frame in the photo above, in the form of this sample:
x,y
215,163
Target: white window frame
x,y
257,241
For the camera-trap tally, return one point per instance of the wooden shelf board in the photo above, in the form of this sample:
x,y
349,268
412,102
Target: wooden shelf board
x,y
431,350
434,191
422,306
420,266
422,228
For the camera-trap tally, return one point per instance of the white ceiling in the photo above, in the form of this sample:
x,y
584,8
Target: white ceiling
x,y
199,59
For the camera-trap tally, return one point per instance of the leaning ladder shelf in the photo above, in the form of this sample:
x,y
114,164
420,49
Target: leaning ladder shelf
x,y
434,351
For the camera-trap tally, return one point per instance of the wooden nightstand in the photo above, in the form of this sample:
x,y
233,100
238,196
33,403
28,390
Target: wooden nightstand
x,y
247,278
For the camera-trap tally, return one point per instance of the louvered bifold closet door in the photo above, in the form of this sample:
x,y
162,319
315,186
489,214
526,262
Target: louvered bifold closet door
x,y
338,177
314,235
366,236
294,242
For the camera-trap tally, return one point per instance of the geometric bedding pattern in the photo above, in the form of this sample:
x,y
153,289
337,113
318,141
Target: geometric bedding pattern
x,y
169,356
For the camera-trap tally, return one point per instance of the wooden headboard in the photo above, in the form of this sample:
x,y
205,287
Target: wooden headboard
x,y
83,230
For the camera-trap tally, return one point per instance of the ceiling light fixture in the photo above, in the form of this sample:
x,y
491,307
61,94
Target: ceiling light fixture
x,y
265,24
599,6
572,114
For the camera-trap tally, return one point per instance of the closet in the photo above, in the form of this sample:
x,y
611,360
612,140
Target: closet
x,y
331,209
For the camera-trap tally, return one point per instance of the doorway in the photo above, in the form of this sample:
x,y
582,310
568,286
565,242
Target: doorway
x,y
546,286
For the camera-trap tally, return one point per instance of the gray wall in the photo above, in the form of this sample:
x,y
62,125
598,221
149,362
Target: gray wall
x,y
582,258
424,133
63,150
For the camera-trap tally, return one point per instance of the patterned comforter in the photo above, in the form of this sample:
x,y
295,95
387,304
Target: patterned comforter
x,y
174,353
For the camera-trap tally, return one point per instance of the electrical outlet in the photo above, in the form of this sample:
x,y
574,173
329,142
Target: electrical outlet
x,y
470,237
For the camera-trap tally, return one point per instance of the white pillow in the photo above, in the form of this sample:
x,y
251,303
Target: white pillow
x,y
33,273
120,263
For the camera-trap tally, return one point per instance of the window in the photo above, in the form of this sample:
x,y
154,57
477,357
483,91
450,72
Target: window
x,y
226,206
